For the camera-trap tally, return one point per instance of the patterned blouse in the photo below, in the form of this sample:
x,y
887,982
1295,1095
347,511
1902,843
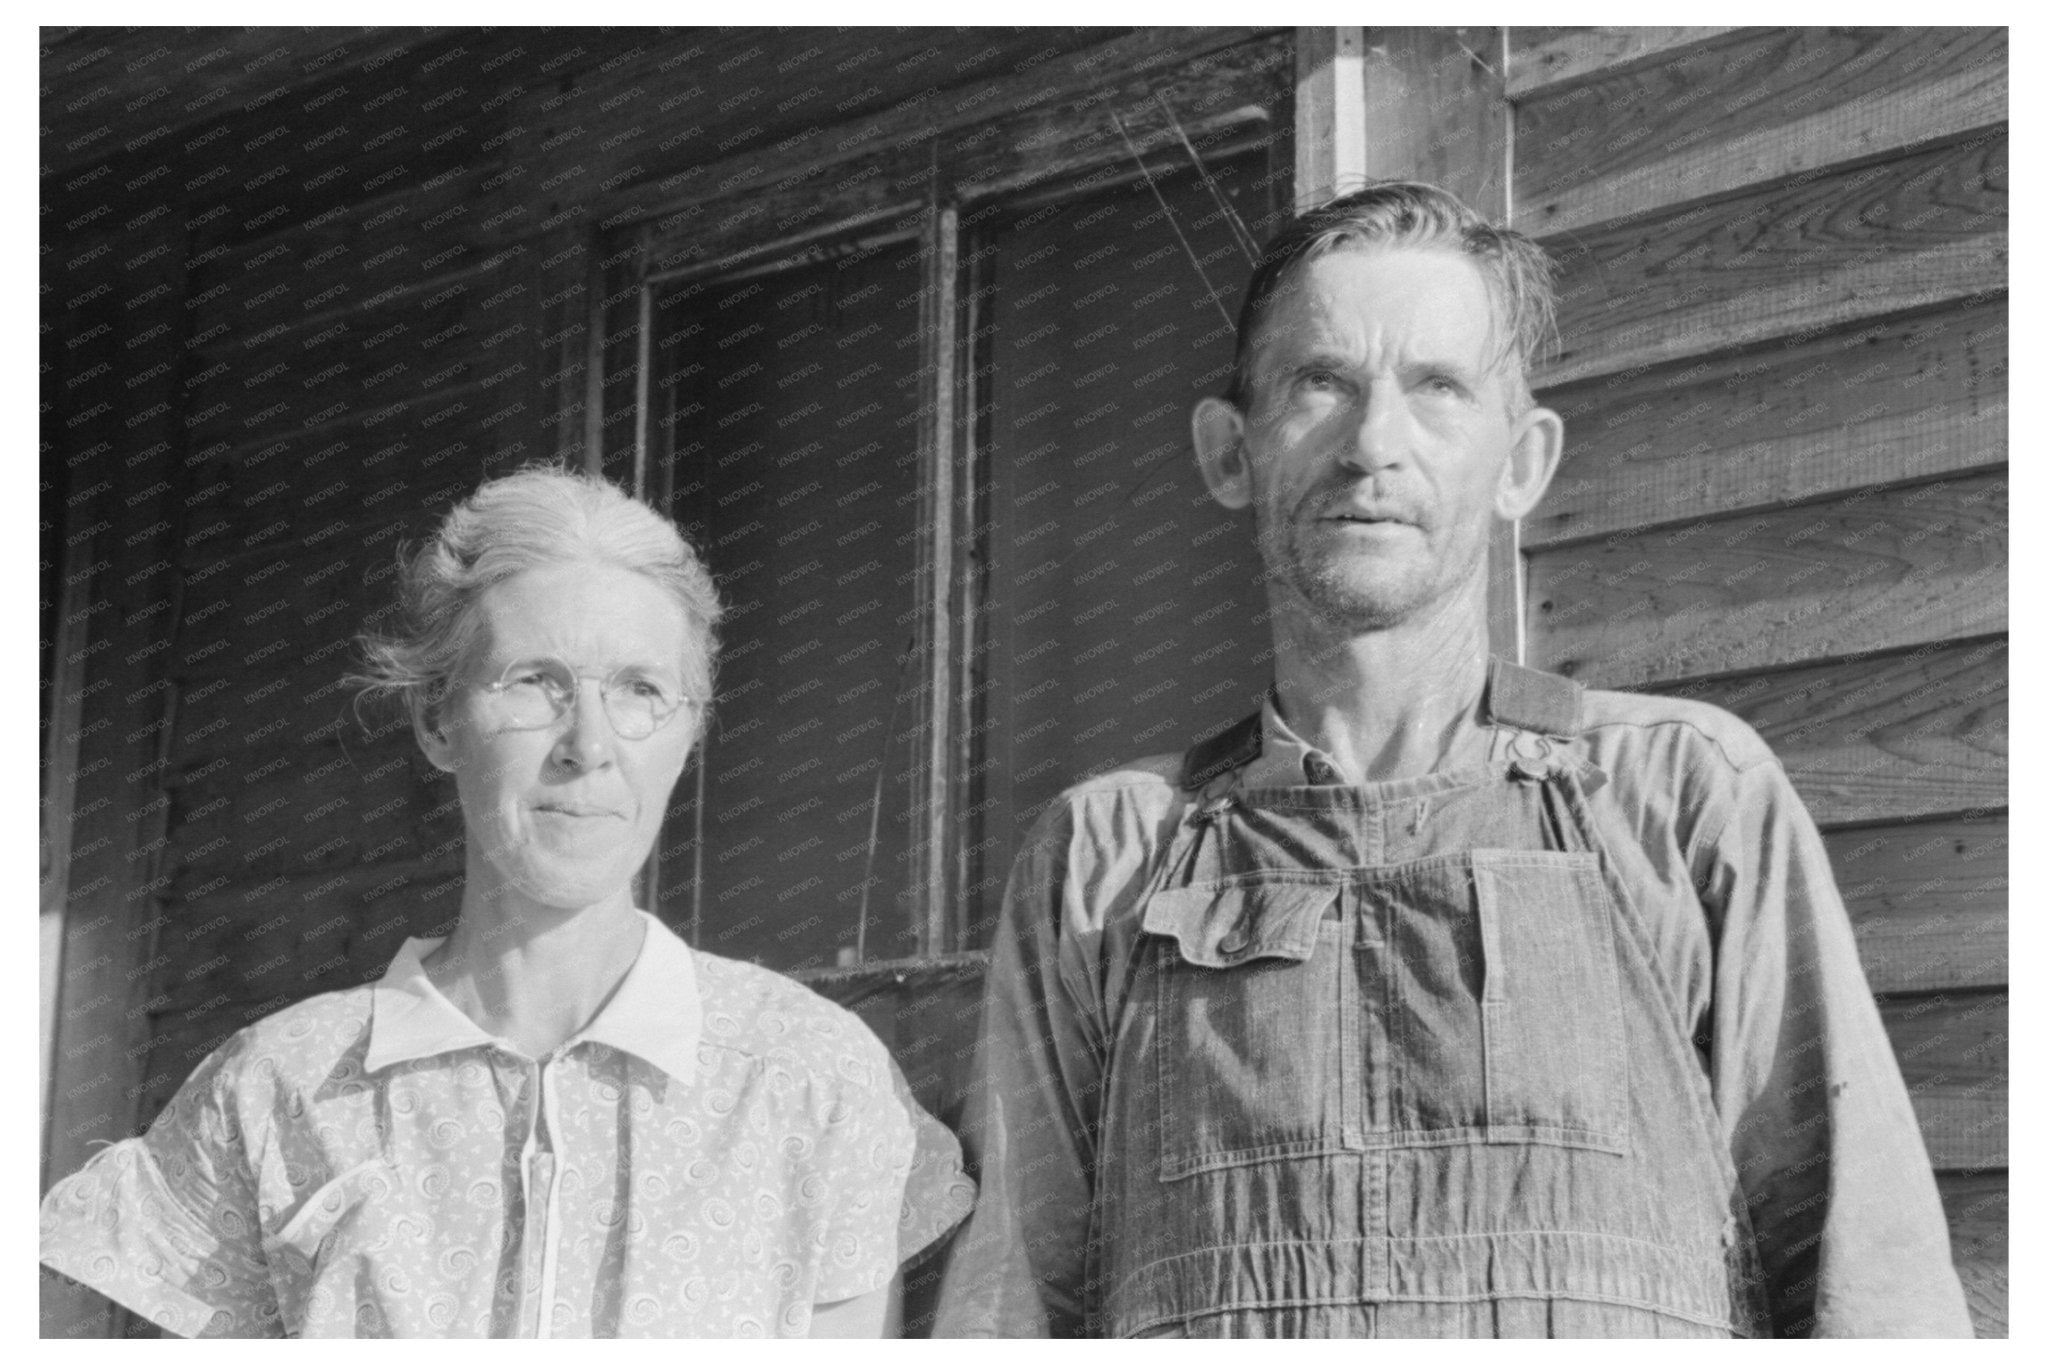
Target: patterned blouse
x,y
715,1153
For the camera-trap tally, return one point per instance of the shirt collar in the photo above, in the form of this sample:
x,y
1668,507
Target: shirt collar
x,y
655,1014
1285,758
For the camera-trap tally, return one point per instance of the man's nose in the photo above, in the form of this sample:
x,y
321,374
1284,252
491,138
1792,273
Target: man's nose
x,y
588,740
1380,434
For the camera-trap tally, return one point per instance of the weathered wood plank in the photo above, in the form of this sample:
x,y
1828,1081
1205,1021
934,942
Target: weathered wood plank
x,y
1920,229
463,333
759,93
1893,737
1227,94
1979,1214
1434,111
333,805
1542,59
1928,902
1884,568
96,82
666,163
1755,108
288,936
247,294
1952,1051
1900,398
388,472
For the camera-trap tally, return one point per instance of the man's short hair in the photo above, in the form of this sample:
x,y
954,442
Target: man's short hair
x,y
1409,213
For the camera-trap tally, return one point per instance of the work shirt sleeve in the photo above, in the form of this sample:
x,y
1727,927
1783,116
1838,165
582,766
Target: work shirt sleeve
x,y
166,1224
1848,1224
1018,1269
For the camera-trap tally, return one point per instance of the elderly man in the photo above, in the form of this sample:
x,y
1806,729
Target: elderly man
x,y
1441,997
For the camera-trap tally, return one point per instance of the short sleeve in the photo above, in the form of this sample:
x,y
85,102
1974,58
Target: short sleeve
x,y
938,1194
166,1224
895,1185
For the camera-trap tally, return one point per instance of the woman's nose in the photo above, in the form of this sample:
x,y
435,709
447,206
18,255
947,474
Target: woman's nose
x,y
587,738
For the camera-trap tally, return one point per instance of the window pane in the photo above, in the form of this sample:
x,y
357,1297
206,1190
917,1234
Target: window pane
x,y
791,407
1124,613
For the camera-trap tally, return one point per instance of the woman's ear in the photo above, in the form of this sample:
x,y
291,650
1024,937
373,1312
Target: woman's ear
x,y
432,734
1219,452
1533,454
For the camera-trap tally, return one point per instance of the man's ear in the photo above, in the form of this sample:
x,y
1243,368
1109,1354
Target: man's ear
x,y
1220,454
1533,454
432,736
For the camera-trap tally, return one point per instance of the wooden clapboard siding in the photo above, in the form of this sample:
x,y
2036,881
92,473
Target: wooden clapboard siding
x,y
102,75
1882,568
1904,397
1952,1050
1225,94
287,936
1928,901
1058,68
338,486
1978,1208
413,346
1544,60
268,294
1756,108
378,804
1890,737
1783,375
1854,242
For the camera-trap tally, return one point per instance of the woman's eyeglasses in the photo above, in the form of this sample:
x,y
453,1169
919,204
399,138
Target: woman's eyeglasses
x,y
533,694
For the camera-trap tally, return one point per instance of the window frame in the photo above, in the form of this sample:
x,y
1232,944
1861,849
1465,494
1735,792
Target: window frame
x,y
935,191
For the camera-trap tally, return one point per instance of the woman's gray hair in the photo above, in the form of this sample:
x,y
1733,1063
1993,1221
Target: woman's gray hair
x,y
540,517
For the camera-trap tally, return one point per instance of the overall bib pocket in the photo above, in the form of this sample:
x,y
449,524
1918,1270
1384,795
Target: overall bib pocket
x,y
1502,1003
1256,1036
1464,998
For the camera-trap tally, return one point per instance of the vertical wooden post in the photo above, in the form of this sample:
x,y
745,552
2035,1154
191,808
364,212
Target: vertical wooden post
x,y
931,910
1436,109
1329,114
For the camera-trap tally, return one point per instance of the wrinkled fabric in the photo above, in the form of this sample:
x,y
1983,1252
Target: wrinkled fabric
x,y
1570,1042
715,1153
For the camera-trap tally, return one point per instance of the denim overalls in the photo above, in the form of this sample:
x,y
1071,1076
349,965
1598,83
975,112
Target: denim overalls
x,y
1396,1060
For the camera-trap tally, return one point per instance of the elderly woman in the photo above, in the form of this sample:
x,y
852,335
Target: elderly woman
x,y
560,1120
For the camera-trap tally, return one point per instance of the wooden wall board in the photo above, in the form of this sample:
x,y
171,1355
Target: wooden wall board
x,y
386,472
1019,74
457,336
1758,107
95,80
1953,1052
249,293
1542,60
1979,1215
1928,901
1915,230
1899,398
1435,111
287,937
1885,567
1223,97
330,806
1887,737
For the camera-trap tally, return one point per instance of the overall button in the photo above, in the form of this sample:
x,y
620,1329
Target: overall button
x,y
1232,942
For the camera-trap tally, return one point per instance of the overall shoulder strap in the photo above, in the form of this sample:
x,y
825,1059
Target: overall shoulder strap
x,y
1210,758
1531,700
